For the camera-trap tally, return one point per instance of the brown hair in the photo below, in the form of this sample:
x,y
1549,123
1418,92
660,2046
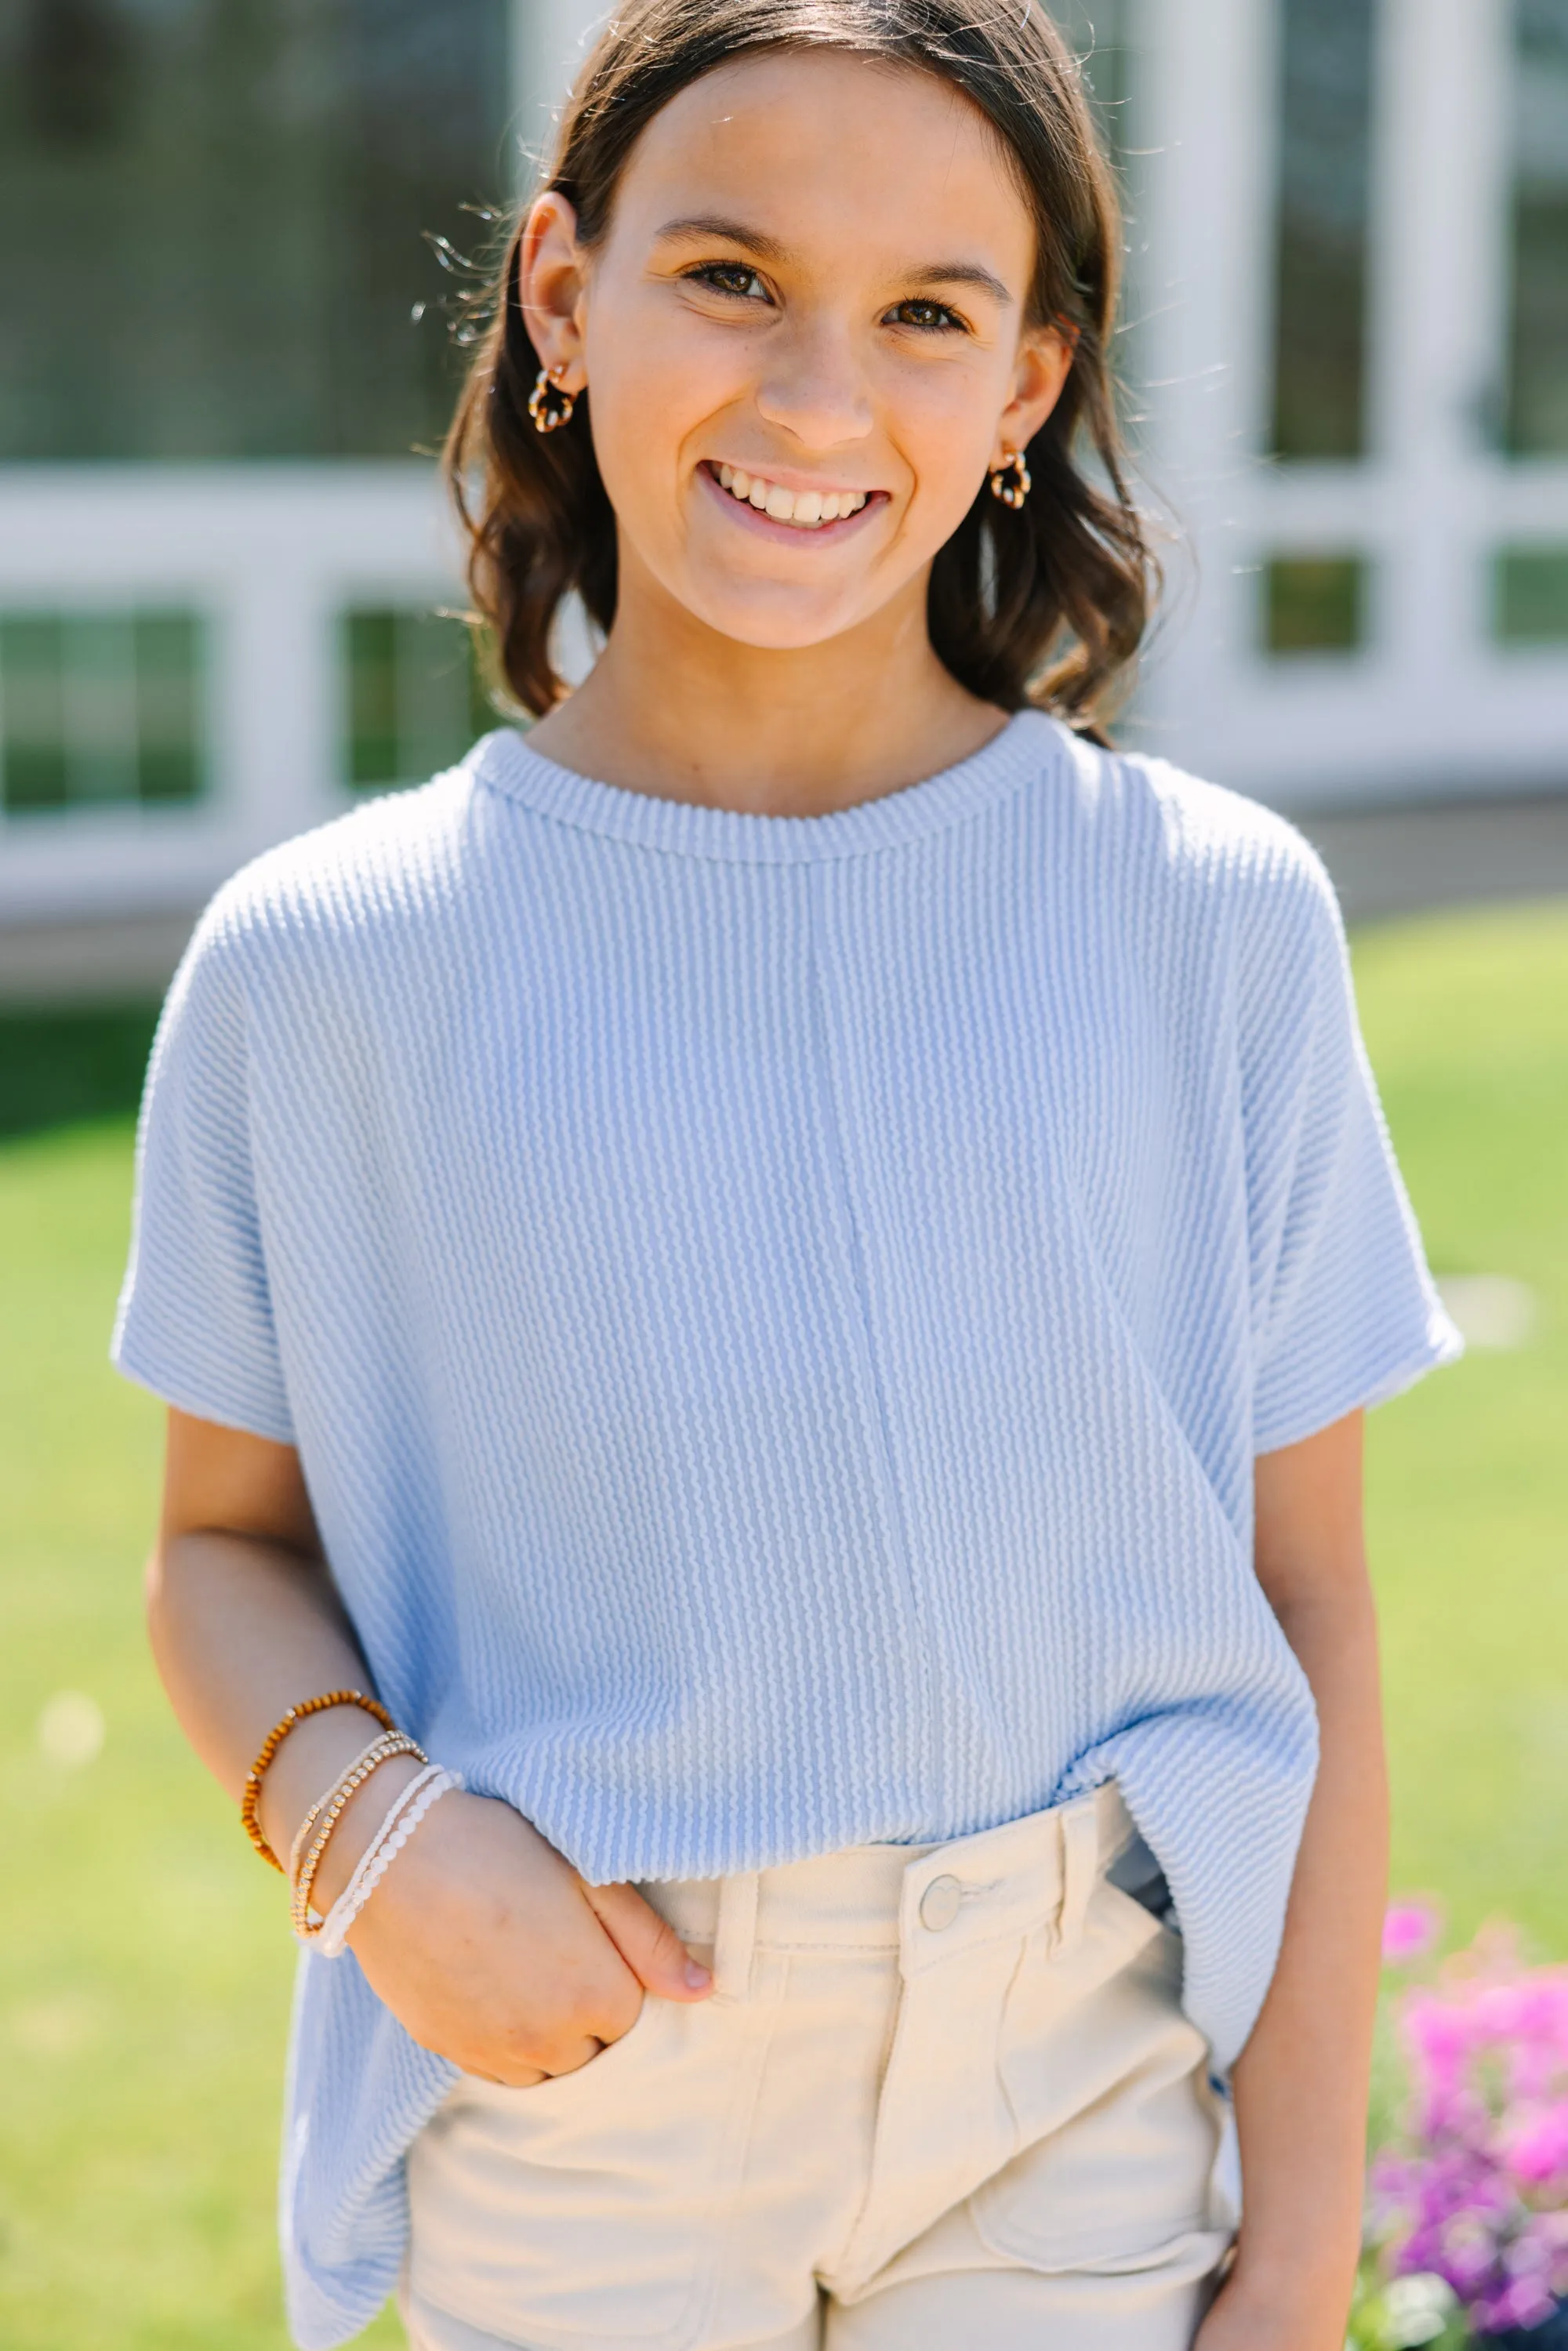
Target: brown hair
x,y
1045,605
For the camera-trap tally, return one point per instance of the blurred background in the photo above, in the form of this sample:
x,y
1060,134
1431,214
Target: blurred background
x,y
1346,348
223,563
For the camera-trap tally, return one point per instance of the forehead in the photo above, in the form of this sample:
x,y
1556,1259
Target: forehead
x,y
819,146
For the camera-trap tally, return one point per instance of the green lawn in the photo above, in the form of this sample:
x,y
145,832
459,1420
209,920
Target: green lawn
x,y
146,1964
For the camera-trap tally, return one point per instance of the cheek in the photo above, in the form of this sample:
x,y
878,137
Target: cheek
x,y
946,414
655,383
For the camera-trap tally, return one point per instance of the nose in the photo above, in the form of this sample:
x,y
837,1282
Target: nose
x,y
814,387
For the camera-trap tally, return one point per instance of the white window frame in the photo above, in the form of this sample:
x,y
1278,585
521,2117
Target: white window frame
x,y
1432,706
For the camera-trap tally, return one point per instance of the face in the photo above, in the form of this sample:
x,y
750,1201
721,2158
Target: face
x,y
804,337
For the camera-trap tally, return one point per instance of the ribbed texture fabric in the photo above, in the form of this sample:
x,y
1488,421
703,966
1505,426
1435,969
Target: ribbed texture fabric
x,y
778,1316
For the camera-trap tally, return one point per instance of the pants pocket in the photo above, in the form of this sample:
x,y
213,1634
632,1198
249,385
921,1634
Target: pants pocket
x,y
1117,2125
585,2210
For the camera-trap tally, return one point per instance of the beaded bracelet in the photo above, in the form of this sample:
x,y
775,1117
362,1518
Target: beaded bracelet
x,y
251,1799
307,1829
330,1812
408,1808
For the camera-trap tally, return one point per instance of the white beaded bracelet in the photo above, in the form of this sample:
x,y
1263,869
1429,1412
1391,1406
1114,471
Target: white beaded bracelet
x,y
407,1809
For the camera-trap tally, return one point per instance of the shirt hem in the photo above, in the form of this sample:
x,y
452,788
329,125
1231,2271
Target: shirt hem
x,y
1443,1346
201,1403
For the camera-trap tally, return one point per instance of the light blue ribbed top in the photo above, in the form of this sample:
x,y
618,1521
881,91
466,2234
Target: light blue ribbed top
x,y
778,1316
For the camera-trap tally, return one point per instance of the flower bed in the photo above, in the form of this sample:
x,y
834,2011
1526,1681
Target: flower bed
x,y
1468,2203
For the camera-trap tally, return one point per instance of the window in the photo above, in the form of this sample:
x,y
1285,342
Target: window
x,y
101,708
1530,596
1324,203
415,699
214,220
1096,33
1537,340
1314,604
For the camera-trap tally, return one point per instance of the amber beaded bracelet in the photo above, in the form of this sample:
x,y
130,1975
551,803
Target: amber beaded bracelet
x,y
250,1801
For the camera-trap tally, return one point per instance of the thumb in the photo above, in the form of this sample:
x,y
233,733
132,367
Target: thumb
x,y
648,1944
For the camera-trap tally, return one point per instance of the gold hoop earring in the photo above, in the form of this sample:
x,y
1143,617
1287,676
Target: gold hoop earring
x,y
1013,493
550,403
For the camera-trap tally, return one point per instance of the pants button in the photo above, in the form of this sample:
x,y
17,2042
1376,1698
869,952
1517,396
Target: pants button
x,y
940,1904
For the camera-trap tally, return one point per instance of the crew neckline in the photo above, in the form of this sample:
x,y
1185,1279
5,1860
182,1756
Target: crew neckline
x,y
1023,748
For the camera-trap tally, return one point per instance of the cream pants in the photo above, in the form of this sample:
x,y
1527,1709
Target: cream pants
x,y
943,2098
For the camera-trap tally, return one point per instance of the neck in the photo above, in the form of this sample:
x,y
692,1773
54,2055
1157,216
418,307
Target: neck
x,y
676,709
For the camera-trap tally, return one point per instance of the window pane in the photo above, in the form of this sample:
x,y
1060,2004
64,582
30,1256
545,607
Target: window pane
x,y
1530,601
415,700
371,644
168,695
1314,604
1325,181
32,709
1538,369
99,705
214,220
1096,33
99,708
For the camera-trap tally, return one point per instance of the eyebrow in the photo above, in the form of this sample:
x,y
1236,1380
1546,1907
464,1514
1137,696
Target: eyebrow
x,y
772,248
728,232
961,273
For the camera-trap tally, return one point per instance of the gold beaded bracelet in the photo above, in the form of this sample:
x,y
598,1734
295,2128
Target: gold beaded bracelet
x,y
251,1799
329,1811
307,1829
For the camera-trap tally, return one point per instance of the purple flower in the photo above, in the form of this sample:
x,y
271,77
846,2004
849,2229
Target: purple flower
x,y
1535,2145
1475,2192
1409,1931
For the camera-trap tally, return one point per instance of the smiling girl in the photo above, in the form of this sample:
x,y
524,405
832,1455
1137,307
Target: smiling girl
x,y
782,1272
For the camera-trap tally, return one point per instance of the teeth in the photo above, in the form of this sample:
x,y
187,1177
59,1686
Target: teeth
x,y
807,509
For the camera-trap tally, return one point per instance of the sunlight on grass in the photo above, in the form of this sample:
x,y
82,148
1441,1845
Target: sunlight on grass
x,y
146,1963
1466,1023
145,1968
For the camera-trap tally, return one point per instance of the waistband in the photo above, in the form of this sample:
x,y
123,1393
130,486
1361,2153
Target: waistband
x,y
924,1901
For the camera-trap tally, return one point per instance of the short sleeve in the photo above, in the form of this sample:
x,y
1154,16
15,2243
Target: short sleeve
x,y
195,1321
1344,1311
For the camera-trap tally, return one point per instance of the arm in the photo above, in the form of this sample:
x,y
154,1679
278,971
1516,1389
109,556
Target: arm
x,y
1301,2081
481,1939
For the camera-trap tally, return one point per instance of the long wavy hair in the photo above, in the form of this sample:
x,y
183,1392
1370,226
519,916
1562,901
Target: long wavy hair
x,y
1044,606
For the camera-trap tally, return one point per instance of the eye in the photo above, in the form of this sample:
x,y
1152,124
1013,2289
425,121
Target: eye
x,y
735,278
927,317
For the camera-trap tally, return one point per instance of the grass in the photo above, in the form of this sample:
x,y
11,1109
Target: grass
x,y
145,1968
59,1067
1466,1022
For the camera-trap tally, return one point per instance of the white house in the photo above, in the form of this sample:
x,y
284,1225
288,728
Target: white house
x,y
1347,323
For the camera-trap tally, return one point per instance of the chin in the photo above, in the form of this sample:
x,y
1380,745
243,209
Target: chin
x,y
777,622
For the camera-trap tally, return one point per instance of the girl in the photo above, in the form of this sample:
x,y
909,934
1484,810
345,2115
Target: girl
x,y
783,1273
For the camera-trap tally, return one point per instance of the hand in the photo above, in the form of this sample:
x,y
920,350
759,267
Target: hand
x,y
1251,2314
488,1948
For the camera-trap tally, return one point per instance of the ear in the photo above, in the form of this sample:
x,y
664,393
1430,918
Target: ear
x,y
1044,363
552,286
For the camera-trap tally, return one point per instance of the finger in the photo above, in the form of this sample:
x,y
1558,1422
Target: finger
x,y
528,2077
511,2069
648,1944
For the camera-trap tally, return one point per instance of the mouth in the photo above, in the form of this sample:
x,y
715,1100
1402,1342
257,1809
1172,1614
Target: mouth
x,y
794,512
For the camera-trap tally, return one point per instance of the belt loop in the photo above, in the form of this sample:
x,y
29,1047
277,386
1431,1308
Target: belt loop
x,y
1080,1867
734,1936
